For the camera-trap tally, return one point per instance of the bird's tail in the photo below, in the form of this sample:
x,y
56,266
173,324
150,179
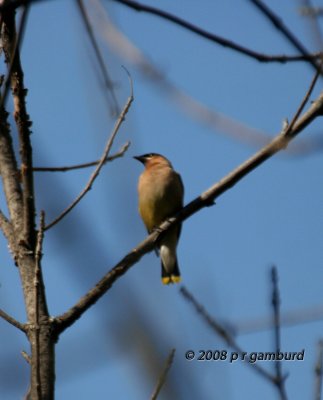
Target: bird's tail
x,y
170,277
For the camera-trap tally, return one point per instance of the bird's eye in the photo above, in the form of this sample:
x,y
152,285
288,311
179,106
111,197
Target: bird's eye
x,y
149,156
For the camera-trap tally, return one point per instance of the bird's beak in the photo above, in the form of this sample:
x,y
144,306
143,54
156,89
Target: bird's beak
x,y
140,158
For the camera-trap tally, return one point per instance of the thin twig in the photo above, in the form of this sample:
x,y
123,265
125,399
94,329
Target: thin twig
x,y
12,321
224,334
115,109
278,24
26,356
215,38
304,101
280,381
102,159
120,153
319,372
204,200
37,281
163,375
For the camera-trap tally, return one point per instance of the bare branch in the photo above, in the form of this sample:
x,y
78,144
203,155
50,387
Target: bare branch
x,y
204,200
163,375
102,160
319,371
278,24
23,124
62,322
21,206
26,357
217,39
120,153
304,101
224,334
193,108
280,380
8,164
12,321
115,109
16,47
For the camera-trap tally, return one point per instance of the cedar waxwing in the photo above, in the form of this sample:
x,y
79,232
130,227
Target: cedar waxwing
x,y
161,192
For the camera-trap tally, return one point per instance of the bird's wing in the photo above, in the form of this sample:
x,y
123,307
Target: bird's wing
x,y
181,195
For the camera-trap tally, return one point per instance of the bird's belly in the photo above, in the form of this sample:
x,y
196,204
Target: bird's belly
x,y
154,210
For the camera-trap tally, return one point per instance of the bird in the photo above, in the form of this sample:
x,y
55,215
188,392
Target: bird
x,y
161,193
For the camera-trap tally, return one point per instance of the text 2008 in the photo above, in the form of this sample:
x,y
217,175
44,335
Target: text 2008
x,y
215,355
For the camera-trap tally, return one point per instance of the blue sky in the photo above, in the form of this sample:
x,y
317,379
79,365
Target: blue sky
x,y
273,216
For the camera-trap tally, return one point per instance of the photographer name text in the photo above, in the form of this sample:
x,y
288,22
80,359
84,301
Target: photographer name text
x,y
251,357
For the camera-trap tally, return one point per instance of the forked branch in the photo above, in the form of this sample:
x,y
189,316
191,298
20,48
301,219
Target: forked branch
x,y
204,200
305,56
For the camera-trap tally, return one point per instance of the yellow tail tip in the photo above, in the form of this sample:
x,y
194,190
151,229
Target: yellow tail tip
x,y
166,280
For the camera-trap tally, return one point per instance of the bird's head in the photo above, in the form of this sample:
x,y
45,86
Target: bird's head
x,y
150,159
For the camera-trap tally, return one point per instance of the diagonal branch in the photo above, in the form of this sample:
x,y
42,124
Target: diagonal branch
x,y
102,160
204,200
120,153
163,376
278,24
289,129
12,321
215,38
224,334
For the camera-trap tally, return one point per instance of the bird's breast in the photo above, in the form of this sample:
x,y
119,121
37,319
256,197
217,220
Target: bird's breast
x,y
160,196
